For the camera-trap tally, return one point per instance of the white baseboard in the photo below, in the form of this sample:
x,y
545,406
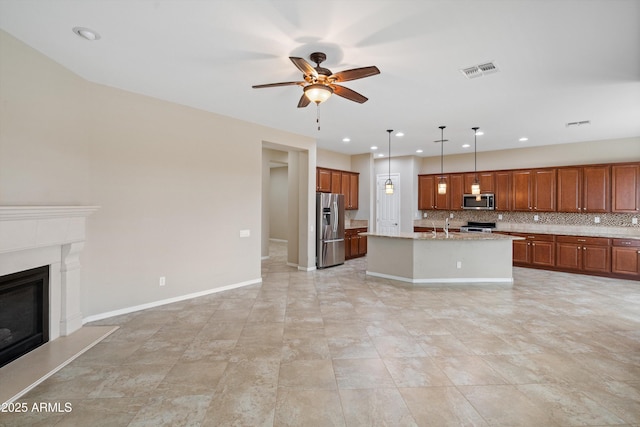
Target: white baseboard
x,y
159,303
448,281
278,240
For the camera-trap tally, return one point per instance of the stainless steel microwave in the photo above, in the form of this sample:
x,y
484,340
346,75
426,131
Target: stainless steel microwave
x,y
478,202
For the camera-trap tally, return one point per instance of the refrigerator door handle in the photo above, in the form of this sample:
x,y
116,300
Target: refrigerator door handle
x,y
335,219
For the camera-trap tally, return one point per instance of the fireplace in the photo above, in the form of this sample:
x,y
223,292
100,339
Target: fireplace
x,y
32,237
24,312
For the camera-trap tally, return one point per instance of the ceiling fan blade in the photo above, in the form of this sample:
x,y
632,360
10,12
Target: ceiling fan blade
x,y
304,101
356,73
351,95
304,66
278,84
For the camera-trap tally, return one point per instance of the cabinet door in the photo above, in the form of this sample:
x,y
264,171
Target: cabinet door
x,y
502,190
521,251
570,190
568,256
426,187
625,260
543,253
347,245
442,200
362,245
353,246
353,190
625,188
596,258
544,190
336,182
323,180
595,189
521,184
456,190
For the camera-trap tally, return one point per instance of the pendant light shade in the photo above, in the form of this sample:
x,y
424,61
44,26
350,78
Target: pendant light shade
x,y
388,185
318,93
442,184
475,187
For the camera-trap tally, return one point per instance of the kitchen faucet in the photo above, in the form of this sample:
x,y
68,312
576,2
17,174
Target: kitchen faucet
x,y
446,227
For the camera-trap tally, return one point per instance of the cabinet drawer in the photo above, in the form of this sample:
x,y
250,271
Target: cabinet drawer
x,y
536,237
584,240
626,242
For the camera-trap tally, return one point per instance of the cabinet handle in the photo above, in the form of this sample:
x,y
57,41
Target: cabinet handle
x,y
584,248
581,240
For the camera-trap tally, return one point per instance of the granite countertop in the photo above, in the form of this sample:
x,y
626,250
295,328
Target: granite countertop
x,y
442,236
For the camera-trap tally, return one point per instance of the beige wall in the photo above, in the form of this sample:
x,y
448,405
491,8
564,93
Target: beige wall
x,y
579,153
278,204
175,185
333,160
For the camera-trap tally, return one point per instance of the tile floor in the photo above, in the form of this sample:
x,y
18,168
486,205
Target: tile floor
x,y
334,347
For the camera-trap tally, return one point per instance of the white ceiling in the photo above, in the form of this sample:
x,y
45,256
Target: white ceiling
x,y
560,61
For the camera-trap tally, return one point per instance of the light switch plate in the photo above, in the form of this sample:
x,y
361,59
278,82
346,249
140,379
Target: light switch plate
x,y
245,233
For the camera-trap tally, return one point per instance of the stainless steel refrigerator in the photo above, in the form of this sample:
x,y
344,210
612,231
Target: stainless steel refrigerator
x,y
330,229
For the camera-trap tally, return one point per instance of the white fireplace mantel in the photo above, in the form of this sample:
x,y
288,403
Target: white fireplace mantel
x,y
33,236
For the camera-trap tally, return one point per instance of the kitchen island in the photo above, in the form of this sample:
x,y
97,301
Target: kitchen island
x,y
441,258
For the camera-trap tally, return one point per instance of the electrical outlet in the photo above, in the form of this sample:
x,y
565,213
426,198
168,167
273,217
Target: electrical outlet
x,y
634,221
163,281
596,220
451,215
424,215
499,217
536,218
459,264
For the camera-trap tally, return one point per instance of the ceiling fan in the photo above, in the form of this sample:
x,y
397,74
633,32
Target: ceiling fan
x,y
320,83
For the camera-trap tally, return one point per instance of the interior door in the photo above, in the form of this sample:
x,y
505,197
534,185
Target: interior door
x,y
388,205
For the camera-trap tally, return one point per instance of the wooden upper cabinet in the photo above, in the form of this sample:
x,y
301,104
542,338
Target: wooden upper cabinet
x,y
534,190
544,190
323,180
625,188
521,183
596,191
583,189
570,189
441,201
486,180
502,190
350,189
336,181
456,188
426,190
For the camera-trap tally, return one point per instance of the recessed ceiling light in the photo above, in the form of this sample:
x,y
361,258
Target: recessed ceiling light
x,y
479,133
466,145
523,139
374,148
400,134
346,139
418,151
381,155
86,33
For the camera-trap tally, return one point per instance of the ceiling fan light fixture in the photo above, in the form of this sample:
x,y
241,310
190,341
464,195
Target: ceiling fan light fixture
x,y
318,93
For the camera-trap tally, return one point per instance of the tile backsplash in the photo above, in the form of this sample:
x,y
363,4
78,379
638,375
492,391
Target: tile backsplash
x,y
619,223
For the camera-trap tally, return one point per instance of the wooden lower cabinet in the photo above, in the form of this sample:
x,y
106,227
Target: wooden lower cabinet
x,y
625,258
355,244
536,250
583,254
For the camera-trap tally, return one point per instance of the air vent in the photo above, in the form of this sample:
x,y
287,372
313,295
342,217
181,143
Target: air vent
x,y
581,123
480,70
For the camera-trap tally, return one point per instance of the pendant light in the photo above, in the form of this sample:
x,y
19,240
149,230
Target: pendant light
x,y
388,185
475,187
442,184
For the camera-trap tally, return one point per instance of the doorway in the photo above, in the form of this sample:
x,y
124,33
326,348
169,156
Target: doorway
x,y
388,205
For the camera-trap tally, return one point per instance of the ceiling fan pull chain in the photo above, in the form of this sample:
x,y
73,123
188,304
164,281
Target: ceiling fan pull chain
x,y
318,116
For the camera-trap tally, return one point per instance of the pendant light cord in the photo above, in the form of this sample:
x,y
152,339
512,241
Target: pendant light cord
x,y
389,131
475,151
